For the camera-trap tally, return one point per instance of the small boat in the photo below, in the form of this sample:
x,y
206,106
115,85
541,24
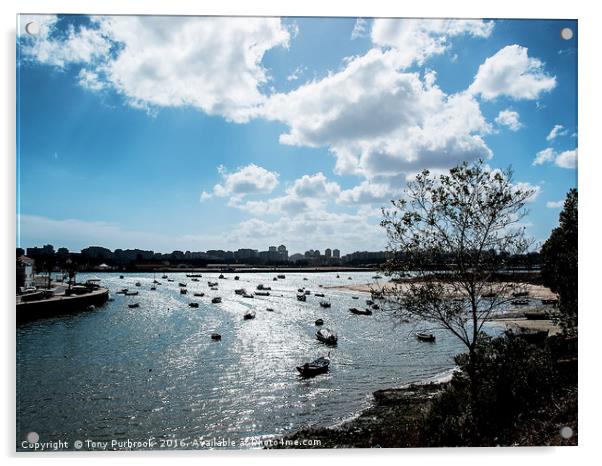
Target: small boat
x,y
212,284
263,287
307,292
549,302
153,288
376,277
325,335
319,322
181,284
134,305
121,276
281,276
214,288
349,278
194,275
300,290
355,297
520,294
221,276
317,366
247,295
236,277
423,336
249,315
275,279
301,297
325,303
375,307
170,279
216,336
122,291
304,279
199,295
365,312
138,284
194,279
269,309
240,291
319,295
193,304
262,293
131,293
183,291
164,276
520,302
338,276
216,300
156,282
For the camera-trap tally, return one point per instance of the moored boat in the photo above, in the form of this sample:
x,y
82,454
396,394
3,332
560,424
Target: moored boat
x,y
362,312
317,366
200,295
325,303
183,291
319,322
325,335
134,305
216,336
249,315
216,300
423,336
193,304
301,297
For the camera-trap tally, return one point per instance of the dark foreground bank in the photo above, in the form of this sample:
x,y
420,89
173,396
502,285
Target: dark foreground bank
x,y
530,400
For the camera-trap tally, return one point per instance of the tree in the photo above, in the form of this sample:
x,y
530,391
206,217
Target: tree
x,y
450,238
559,262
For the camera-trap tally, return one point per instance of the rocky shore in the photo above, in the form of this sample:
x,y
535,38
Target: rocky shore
x,y
393,421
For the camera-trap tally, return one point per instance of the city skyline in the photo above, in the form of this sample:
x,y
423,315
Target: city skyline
x,y
133,135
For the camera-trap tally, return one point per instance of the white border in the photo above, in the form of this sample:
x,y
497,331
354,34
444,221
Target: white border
x,y
589,186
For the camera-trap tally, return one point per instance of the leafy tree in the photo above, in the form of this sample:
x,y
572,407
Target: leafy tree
x,y
559,262
452,235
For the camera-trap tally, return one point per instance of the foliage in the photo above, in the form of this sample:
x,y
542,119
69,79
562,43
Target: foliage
x,y
559,262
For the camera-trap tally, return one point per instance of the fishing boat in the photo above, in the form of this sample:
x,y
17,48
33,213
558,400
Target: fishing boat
x,y
216,336
319,322
325,335
361,312
134,305
423,336
183,291
249,315
193,304
200,295
216,300
317,366
325,303
301,297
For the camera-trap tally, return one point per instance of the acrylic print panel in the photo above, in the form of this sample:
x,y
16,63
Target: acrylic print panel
x,y
203,258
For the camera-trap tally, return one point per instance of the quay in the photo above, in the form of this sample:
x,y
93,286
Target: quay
x,y
58,304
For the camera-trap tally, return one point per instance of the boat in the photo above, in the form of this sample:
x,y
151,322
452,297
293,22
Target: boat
x,y
211,284
121,276
549,302
183,291
355,297
138,284
319,322
365,312
263,287
214,288
269,309
216,300
194,275
349,278
307,292
236,277
520,294
325,303
170,279
325,335
193,304
520,302
300,290
221,276
249,315
164,276
301,297
317,366
536,315
319,295
131,293
122,291
153,288
181,284
247,295
216,336
423,336
194,279
375,307
304,279
240,291
376,277
281,276
134,305
200,295
262,293
338,276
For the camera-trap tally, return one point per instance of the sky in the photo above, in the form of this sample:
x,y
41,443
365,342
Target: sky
x,y
192,133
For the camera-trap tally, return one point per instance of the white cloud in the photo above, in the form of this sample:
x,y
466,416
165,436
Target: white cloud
x,y
525,186
213,64
314,186
360,29
418,39
378,120
250,179
557,130
509,118
512,73
369,193
566,159
554,204
296,74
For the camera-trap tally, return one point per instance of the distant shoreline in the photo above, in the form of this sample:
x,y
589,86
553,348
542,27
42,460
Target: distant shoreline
x,y
235,270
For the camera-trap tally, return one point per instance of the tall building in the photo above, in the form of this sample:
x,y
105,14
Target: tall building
x,y
283,253
272,249
328,253
336,254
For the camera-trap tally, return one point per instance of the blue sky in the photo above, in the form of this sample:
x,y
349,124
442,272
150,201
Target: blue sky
x,y
200,133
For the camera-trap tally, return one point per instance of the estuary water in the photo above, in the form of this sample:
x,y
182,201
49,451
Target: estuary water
x,y
154,372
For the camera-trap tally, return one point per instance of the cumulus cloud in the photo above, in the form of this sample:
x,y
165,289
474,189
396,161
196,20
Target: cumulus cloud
x,y
213,64
418,39
250,179
512,73
554,204
369,193
566,159
378,120
509,118
557,130
360,29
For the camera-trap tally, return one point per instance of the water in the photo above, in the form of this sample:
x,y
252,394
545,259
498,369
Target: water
x,y
153,371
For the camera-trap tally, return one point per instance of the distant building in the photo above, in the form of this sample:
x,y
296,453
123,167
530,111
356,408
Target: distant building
x,y
328,253
336,254
24,272
283,253
245,254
